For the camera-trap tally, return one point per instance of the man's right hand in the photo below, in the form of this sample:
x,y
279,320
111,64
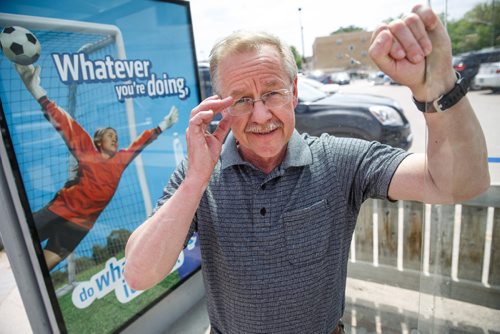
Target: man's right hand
x,y
204,148
30,75
149,257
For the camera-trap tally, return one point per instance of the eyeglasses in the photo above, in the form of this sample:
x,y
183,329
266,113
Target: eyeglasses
x,y
273,99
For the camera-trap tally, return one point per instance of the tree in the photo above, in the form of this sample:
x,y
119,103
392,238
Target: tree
x,y
117,240
478,28
115,243
350,28
100,254
297,56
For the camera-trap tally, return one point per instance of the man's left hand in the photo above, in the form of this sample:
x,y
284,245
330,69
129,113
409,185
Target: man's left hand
x,y
415,51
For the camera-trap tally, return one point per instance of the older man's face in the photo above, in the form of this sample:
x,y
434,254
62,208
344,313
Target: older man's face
x,y
264,133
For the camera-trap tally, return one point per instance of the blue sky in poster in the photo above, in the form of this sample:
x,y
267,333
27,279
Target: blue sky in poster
x,y
152,30
155,31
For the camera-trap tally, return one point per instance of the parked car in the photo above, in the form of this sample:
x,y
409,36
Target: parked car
x,y
327,88
339,78
205,81
367,117
362,116
467,64
488,76
380,78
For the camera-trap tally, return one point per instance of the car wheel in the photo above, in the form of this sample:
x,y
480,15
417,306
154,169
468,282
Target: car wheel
x,y
473,86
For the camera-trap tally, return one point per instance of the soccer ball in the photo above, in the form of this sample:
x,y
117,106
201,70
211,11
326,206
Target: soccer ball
x,y
20,45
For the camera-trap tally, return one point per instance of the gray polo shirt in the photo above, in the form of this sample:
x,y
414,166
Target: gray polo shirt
x,y
275,247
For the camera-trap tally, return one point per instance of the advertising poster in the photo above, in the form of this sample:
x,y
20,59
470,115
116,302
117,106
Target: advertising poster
x,y
95,100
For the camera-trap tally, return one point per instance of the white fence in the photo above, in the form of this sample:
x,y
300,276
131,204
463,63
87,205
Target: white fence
x,y
449,250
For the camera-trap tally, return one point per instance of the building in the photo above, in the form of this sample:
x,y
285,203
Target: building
x,y
343,51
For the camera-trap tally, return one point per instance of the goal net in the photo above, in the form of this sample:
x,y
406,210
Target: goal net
x,y
43,157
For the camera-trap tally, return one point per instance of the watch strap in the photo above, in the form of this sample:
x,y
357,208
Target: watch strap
x,y
447,100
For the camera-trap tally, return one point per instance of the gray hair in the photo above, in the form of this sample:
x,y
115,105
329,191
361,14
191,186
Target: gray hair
x,y
245,41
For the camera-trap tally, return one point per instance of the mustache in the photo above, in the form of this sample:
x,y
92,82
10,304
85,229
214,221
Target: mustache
x,y
264,128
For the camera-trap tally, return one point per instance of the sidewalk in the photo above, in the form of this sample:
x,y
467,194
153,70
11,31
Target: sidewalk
x,y
13,318
370,308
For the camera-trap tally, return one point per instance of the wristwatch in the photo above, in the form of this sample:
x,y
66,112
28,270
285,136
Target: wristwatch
x,y
447,100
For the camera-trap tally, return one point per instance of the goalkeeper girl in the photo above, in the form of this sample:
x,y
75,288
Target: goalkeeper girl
x,y
73,211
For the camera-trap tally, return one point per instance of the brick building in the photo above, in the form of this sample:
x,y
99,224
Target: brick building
x,y
343,51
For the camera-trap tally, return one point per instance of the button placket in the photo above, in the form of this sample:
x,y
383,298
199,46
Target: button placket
x,y
261,205
263,209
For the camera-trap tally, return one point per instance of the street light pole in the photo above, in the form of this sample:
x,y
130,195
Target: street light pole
x,y
493,18
446,14
302,34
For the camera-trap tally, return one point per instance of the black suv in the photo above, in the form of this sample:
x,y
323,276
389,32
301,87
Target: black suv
x,y
205,81
467,64
361,116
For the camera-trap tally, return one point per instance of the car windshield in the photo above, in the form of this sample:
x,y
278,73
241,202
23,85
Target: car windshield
x,y
341,76
456,60
308,93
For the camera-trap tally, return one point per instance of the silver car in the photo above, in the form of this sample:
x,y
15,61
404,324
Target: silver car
x,y
488,76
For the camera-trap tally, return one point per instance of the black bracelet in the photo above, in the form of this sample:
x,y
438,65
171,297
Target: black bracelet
x,y
447,100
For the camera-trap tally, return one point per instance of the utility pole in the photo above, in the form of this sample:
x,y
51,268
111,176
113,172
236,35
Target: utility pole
x,y
302,34
493,18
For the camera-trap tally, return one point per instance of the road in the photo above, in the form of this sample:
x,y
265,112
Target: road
x,y
485,103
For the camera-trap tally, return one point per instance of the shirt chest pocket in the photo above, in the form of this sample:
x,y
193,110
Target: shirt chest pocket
x,y
308,233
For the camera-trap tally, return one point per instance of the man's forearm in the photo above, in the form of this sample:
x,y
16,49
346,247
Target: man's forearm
x,y
457,158
154,247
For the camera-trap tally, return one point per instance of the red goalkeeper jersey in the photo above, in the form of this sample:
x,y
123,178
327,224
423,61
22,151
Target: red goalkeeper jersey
x,y
82,200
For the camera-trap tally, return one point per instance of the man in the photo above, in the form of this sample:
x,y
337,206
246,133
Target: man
x,y
275,210
73,211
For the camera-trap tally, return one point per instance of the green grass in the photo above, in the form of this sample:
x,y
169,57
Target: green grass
x,y
107,314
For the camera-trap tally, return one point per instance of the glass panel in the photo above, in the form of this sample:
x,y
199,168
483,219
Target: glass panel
x,y
459,285
412,267
416,267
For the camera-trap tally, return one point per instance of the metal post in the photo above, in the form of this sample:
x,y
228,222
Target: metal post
x,y
22,263
493,18
302,34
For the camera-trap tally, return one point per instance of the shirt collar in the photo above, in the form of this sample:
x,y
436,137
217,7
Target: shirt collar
x,y
298,152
